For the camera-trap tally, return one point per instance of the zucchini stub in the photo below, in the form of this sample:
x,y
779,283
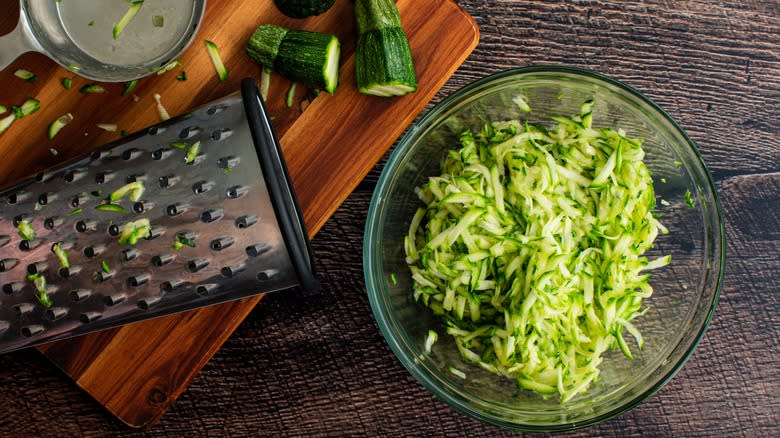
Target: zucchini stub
x,y
383,58
301,56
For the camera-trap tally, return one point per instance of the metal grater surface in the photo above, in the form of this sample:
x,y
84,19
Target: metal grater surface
x,y
219,202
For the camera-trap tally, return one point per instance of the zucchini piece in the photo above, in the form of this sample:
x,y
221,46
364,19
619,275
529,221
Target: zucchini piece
x,y
290,94
265,82
58,124
303,8
383,59
6,121
169,66
158,21
134,231
92,89
26,230
61,254
216,60
110,127
181,76
3,109
129,87
161,111
129,15
28,107
39,282
111,208
263,45
192,153
382,63
67,83
134,189
27,75
301,56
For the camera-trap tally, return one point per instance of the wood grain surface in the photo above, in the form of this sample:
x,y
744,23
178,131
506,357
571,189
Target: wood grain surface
x,y
315,364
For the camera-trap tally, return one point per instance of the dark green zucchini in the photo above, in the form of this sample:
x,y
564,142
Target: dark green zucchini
x,y
301,56
383,60
303,8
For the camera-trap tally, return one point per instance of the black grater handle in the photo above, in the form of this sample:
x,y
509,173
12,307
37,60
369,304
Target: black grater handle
x,y
279,185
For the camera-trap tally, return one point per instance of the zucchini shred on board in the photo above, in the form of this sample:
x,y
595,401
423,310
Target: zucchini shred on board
x,y
530,248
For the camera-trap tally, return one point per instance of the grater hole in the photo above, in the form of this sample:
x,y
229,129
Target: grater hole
x,y
170,285
168,181
142,206
228,162
29,245
23,309
94,250
155,232
138,280
246,221
97,155
88,317
78,200
176,209
39,177
53,222
222,243
196,265
206,289
105,176
258,249
101,276
161,154
215,109
70,271
8,264
267,274
201,187
74,175
46,198
113,300
29,331
79,294
84,226
129,254
37,268
236,192
4,240
136,177
221,134
230,271
12,287
146,303
212,215
162,260
113,230
131,154
155,130
189,132
56,313
17,197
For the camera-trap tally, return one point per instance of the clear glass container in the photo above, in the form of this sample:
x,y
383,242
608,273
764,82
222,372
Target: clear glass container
x,y
685,293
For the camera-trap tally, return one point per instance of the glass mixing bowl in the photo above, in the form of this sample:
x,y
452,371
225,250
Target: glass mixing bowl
x,y
685,292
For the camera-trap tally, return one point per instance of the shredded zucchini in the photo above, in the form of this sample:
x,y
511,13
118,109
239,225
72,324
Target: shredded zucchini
x,y
530,248
213,51
161,111
61,254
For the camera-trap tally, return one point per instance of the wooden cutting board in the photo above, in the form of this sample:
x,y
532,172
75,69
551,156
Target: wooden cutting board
x,y
330,143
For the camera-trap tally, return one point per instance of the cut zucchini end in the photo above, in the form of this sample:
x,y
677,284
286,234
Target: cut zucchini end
x,y
58,124
389,90
330,70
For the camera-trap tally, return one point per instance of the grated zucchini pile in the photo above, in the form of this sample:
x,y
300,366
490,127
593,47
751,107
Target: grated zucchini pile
x,y
530,249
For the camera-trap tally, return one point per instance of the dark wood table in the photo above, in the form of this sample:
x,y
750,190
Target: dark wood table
x,y
314,364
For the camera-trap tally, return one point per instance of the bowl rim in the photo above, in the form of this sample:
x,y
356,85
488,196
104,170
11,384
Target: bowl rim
x,y
371,228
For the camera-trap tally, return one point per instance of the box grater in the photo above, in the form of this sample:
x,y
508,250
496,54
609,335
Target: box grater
x,y
191,212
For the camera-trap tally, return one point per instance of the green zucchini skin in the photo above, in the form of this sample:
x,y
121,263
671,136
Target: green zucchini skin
x,y
383,59
264,44
301,56
303,8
